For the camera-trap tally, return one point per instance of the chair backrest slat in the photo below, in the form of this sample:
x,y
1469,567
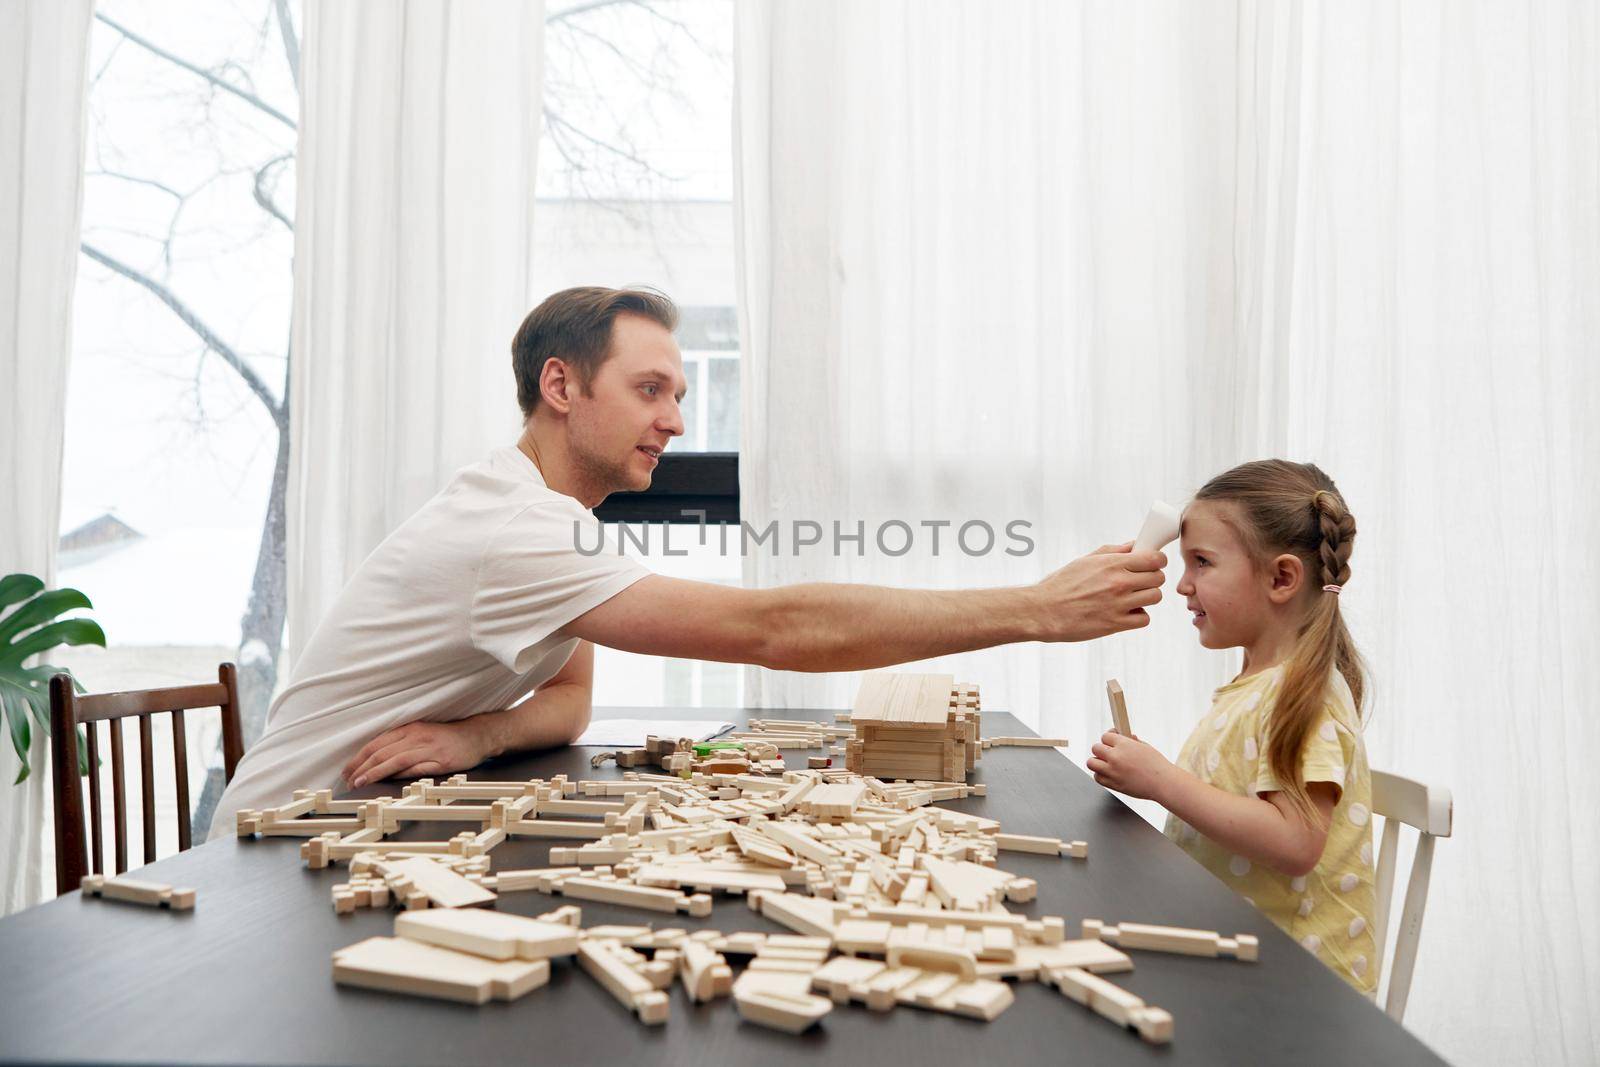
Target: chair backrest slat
x,y
147,787
232,732
91,734
64,769
1383,884
180,763
142,701
119,798
1409,933
68,711
1430,811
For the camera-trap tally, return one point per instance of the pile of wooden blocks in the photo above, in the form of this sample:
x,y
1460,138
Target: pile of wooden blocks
x,y
755,756
914,726
891,899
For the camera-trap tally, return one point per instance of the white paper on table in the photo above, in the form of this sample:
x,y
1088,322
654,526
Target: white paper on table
x,y
630,733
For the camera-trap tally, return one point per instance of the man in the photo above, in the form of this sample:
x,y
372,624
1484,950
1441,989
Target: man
x,y
425,663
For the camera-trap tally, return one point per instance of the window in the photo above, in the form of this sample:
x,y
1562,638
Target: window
x,y
175,421
176,437
645,198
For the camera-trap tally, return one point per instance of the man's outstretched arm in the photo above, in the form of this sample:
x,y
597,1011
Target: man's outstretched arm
x,y
556,713
827,627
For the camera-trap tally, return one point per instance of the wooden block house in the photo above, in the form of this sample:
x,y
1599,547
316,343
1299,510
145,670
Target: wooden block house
x,y
914,726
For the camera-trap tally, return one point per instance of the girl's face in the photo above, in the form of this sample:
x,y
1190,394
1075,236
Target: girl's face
x,y
1232,601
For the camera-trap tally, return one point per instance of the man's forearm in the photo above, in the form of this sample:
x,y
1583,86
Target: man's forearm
x,y
555,715
827,627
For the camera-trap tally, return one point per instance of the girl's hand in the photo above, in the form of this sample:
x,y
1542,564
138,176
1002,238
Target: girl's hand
x,y
1130,766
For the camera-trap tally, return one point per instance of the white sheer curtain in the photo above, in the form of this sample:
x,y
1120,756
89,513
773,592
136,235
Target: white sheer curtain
x,y
43,88
1049,262
419,128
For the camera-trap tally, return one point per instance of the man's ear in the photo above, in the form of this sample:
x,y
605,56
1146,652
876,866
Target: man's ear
x,y
1287,576
557,383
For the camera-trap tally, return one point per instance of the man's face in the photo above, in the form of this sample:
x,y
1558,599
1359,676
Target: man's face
x,y
618,432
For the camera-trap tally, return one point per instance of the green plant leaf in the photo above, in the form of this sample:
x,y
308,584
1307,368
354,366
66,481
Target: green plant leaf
x,y
24,691
41,609
21,736
66,632
18,587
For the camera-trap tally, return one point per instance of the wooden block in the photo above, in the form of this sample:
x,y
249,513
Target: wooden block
x,y
882,991
566,915
444,887
791,1013
1026,742
964,885
855,936
636,896
491,934
1030,960
1044,846
779,964
802,914
582,831
758,847
901,916
697,877
705,973
1119,708
1021,890
399,965
1113,1002
834,800
1176,939
134,891
801,844
996,943
841,974
632,990
911,947
978,999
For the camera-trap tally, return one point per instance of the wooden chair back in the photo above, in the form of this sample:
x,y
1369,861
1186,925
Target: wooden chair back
x,y
68,710
1429,810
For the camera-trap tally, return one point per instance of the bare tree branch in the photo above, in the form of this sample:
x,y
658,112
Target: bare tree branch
x,y
639,70
264,198
111,54
163,186
291,42
581,9
249,98
557,122
207,335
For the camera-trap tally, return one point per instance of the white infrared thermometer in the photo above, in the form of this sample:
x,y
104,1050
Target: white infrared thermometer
x,y
1160,528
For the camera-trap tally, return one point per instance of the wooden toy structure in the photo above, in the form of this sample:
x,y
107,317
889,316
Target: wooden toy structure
x,y
892,899
915,726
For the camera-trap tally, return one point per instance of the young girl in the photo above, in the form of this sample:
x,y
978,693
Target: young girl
x,y
1271,792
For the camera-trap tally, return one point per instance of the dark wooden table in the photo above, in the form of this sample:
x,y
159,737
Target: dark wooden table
x,y
246,977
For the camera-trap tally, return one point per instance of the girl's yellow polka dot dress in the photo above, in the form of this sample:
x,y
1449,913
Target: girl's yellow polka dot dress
x,y
1328,911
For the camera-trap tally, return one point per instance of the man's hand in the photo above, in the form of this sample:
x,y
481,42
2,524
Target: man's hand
x,y
415,750
1102,593
1130,766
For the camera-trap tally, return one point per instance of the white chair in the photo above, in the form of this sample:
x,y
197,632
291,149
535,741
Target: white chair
x,y
1428,809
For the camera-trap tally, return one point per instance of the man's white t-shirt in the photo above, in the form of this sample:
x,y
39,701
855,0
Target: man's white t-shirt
x,y
455,613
